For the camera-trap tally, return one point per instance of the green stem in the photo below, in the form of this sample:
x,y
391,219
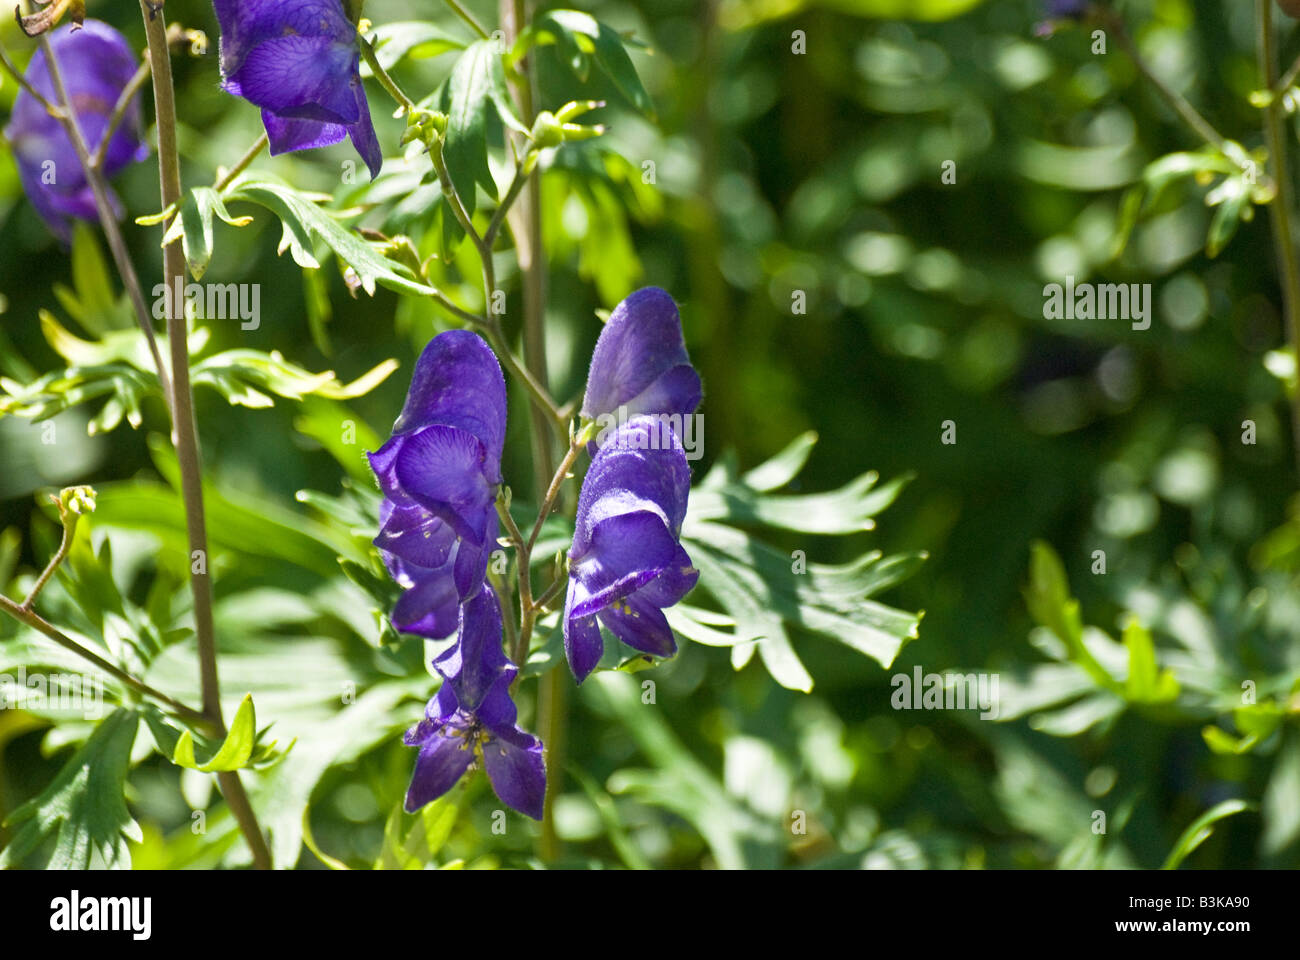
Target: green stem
x,y
107,219
1180,104
468,17
1280,209
30,618
242,164
184,426
386,81
64,544
123,104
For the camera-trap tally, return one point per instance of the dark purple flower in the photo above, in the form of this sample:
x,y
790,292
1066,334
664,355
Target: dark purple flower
x,y
640,364
626,562
96,63
1065,9
472,717
299,61
439,474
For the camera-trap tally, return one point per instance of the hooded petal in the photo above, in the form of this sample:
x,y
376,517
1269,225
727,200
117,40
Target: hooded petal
x,y
442,468
641,343
676,581
306,78
641,467
363,135
457,382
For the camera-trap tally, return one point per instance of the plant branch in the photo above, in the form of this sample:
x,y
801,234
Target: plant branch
x,y
115,119
33,620
64,544
1180,104
228,177
1275,137
103,207
468,17
386,81
553,490
184,426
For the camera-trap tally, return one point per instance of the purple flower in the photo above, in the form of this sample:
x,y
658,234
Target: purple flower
x,y
1065,9
640,364
300,62
472,717
95,63
626,562
439,474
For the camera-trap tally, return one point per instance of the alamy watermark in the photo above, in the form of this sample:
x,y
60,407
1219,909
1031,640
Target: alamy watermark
x,y
71,693
1098,301
946,691
212,301
687,428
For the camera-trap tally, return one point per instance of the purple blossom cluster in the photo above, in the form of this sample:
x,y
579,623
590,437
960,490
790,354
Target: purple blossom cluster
x,y
440,473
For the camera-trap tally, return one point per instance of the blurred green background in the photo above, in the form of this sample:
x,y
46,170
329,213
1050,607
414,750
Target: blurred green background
x,y
820,172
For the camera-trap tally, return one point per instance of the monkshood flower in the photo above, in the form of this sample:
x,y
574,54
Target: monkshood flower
x,y
1060,10
626,562
473,718
439,473
95,63
298,60
640,365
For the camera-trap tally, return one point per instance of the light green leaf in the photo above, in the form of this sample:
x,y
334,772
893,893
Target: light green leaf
x,y
235,750
1201,829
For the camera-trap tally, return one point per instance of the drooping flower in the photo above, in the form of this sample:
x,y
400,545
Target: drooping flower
x,y
640,364
626,562
439,473
473,718
95,63
298,60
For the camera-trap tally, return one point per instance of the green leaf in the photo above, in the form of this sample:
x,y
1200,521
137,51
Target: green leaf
x,y
303,221
413,39
477,83
233,753
194,227
1146,682
1201,829
580,36
84,804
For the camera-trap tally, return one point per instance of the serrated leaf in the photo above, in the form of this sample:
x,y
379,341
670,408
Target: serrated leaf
x,y
468,94
194,227
84,805
303,221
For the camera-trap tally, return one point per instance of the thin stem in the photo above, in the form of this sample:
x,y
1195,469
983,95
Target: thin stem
x,y
386,81
12,69
32,619
1180,104
104,208
553,490
242,164
550,593
184,426
468,18
526,224
519,647
64,544
115,119
1280,208
503,208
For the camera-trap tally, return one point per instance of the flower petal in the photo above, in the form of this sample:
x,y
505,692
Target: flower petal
x,y
306,78
583,644
641,625
443,760
626,552
429,608
287,135
677,580
457,382
414,535
476,662
518,775
641,342
442,468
